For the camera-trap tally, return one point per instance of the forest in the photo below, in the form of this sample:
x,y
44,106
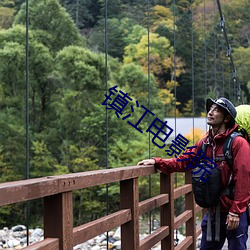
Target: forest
x,y
168,56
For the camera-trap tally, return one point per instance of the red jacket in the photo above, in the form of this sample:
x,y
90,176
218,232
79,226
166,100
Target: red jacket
x,y
241,168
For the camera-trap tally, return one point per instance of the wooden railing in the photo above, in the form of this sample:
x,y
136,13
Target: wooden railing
x,y
56,192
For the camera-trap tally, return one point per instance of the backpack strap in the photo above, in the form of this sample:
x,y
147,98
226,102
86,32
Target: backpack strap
x,y
227,148
227,151
204,147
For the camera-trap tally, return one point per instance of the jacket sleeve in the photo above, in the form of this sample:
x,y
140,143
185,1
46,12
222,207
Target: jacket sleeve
x,y
179,164
241,175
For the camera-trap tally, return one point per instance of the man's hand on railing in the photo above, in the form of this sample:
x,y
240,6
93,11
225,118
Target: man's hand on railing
x,y
146,162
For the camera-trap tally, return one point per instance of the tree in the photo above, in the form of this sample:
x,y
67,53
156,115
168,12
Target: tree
x,y
13,60
161,16
242,64
84,13
6,17
160,54
42,162
118,31
13,148
53,25
135,81
120,9
78,103
161,61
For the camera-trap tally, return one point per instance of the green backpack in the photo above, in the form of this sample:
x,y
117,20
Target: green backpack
x,y
243,120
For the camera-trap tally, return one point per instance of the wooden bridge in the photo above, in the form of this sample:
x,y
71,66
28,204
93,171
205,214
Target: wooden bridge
x,y
56,192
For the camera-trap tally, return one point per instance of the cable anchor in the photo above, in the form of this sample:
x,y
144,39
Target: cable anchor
x,y
222,24
234,75
229,51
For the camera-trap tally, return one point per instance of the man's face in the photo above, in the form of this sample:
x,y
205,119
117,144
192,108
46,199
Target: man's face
x,y
215,116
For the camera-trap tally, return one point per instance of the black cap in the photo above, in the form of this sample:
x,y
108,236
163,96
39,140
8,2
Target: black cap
x,y
223,103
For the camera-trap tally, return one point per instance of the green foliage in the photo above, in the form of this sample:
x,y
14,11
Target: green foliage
x,y
82,70
81,160
160,55
136,82
54,26
7,212
136,34
42,162
13,148
12,58
118,31
87,206
242,64
125,8
6,17
85,13
161,16
78,72
138,53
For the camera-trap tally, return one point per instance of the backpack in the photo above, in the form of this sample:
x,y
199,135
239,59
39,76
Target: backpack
x,y
243,120
207,194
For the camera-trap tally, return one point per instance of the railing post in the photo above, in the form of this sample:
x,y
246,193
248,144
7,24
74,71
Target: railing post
x,y
167,210
58,219
129,198
190,205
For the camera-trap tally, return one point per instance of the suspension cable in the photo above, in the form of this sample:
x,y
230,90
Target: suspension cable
x,y
107,120
175,93
215,53
222,68
77,13
192,24
229,83
229,53
174,75
149,146
205,50
27,207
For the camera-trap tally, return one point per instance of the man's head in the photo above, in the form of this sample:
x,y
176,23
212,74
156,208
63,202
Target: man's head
x,y
220,111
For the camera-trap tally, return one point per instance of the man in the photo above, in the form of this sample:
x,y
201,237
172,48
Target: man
x,y
221,115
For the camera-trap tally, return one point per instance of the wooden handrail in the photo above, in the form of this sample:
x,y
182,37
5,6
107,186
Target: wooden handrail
x,y
24,190
58,208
